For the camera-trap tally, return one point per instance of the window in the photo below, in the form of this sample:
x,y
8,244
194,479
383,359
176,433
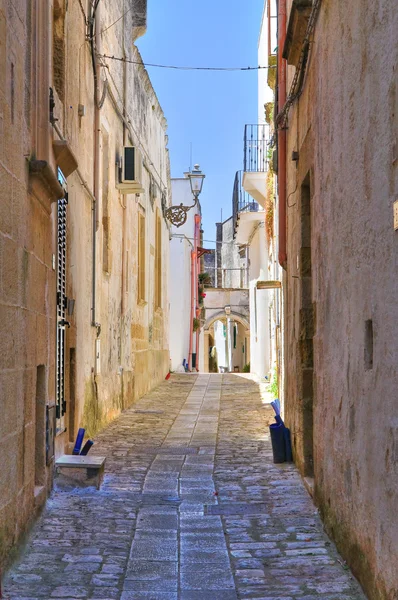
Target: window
x,y
158,263
141,257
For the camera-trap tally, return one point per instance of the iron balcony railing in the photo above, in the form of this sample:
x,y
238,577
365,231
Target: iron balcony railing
x,y
241,200
255,158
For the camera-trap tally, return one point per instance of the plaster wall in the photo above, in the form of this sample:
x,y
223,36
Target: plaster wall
x,y
181,246
264,92
238,352
259,305
343,241
180,301
220,342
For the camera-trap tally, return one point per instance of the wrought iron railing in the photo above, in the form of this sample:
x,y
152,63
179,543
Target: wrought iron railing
x,y
255,158
241,200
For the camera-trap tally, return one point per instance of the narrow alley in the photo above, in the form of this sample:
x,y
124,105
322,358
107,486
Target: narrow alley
x,y
192,507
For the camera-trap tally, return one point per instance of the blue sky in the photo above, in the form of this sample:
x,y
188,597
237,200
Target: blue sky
x,y
207,109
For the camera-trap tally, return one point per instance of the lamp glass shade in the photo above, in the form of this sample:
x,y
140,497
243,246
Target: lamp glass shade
x,y
196,178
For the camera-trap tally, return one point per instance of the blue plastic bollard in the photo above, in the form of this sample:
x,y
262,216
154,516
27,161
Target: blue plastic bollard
x,y
86,448
278,442
79,441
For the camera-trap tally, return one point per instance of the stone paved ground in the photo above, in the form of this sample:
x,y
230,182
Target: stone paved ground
x,y
192,508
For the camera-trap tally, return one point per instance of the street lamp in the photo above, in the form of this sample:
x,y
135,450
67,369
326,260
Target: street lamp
x,y
196,178
177,215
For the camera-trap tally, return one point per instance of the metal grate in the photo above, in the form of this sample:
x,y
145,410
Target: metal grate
x,y
256,148
61,309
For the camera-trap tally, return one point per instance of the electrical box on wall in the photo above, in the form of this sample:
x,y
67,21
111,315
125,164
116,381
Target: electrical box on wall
x,y
129,179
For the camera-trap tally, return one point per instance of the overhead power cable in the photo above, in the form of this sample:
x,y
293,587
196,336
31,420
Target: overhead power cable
x,y
181,236
182,68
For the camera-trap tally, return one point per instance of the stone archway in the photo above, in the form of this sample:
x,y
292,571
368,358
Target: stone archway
x,y
222,316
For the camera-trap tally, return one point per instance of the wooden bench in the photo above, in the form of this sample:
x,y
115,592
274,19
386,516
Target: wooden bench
x,y
81,470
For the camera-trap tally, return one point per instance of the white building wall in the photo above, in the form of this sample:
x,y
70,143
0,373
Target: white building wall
x,y
180,300
181,245
265,94
259,306
220,341
238,354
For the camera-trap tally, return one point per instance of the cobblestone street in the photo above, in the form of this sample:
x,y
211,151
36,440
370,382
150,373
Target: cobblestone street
x,y
192,507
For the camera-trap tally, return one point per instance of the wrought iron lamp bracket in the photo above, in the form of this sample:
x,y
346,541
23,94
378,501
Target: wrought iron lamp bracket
x,y
177,215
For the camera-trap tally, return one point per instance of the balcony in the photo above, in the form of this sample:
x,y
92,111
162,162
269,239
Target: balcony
x,y
255,161
246,211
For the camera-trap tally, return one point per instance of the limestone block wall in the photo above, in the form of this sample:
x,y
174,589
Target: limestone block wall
x,y
126,352
27,282
341,309
119,351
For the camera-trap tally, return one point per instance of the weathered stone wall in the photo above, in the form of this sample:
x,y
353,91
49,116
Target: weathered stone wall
x,y
42,45
341,302
27,280
133,334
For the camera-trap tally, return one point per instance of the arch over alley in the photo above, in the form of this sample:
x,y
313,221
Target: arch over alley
x,y
228,307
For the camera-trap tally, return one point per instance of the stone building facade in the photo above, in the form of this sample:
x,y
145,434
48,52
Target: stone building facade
x,y
83,259
28,194
340,282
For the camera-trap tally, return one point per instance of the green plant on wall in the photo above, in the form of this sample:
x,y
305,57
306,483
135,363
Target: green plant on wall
x,y
273,387
269,112
195,324
200,295
204,278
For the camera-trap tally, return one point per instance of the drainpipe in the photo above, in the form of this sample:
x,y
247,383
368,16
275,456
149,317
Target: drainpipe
x,y
96,132
282,67
194,292
193,261
197,265
198,311
122,204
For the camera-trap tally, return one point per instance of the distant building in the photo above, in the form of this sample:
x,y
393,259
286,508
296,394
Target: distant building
x,y
209,266
232,264
254,219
